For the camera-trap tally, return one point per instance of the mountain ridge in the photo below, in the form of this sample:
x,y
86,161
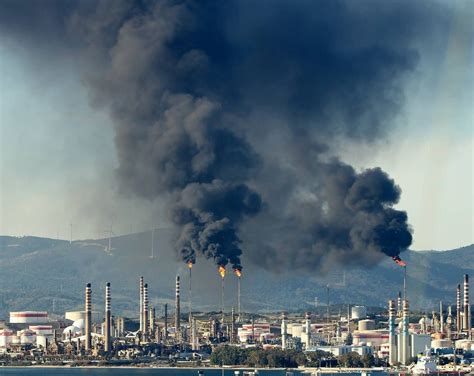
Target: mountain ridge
x,y
49,274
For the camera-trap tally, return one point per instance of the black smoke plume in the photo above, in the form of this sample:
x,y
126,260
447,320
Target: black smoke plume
x,y
233,111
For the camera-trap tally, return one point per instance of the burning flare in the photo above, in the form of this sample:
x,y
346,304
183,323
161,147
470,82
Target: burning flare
x,y
222,271
399,261
238,272
190,264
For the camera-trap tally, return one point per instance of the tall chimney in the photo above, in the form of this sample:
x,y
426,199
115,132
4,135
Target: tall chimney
x,y
145,309
467,318
166,322
141,304
307,317
392,338
151,319
108,318
449,322
441,317
88,318
406,339
177,317
458,309
283,331
232,325
399,304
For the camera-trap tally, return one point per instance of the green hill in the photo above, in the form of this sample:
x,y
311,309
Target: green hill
x,y
48,274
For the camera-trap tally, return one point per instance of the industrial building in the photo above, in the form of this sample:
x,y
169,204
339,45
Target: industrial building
x,y
395,337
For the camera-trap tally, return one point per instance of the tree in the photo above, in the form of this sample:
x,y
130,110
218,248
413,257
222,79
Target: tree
x,y
368,360
230,355
314,358
350,360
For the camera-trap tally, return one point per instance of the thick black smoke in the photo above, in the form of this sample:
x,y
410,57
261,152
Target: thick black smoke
x,y
233,110
209,214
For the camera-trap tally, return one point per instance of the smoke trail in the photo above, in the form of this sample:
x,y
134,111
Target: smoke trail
x,y
232,111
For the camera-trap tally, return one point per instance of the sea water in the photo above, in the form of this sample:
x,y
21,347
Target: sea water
x,y
66,371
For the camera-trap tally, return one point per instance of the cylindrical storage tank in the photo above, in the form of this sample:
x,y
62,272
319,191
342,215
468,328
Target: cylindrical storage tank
x,y
5,337
441,343
78,315
27,337
358,312
75,315
295,330
465,344
15,340
29,317
366,325
42,341
43,330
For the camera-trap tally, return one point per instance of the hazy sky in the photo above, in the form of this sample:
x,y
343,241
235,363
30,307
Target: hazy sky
x,y
58,160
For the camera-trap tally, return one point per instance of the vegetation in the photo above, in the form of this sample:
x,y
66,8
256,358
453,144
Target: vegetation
x,y
272,358
278,358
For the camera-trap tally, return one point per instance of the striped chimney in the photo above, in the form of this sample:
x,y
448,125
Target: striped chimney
x,y
141,303
467,318
145,308
177,318
458,309
88,317
151,319
108,318
391,332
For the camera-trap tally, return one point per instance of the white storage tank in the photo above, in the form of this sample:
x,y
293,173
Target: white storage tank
x,y
358,312
15,340
365,325
441,343
29,317
27,337
42,341
78,315
5,337
295,330
44,330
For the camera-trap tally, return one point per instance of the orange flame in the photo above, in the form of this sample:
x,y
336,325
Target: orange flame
x,y
222,271
399,261
238,272
190,264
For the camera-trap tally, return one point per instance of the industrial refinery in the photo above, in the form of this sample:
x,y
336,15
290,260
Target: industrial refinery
x,y
394,338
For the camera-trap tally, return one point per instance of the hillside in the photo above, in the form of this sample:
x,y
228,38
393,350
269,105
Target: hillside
x,y
47,274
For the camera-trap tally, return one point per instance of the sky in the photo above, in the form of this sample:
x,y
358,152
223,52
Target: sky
x,y
59,163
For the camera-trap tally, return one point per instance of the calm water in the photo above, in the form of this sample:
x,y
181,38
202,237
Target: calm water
x,y
138,372
125,372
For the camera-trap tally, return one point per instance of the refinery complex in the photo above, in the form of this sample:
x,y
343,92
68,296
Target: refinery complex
x,y
396,337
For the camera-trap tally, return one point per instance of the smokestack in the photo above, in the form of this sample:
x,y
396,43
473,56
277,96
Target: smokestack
x,y
406,339
449,322
145,309
108,318
177,318
458,309
151,319
399,304
283,331
166,322
232,325
88,318
441,317
141,304
190,292
467,318
308,330
391,333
